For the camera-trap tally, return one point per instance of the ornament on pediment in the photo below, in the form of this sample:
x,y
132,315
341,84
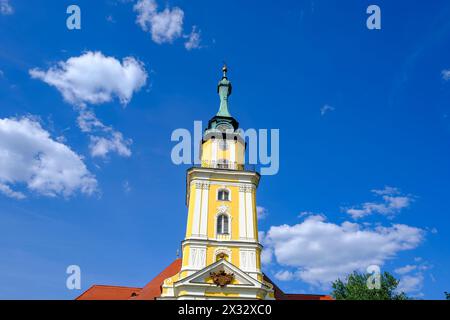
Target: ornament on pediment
x,y
221,278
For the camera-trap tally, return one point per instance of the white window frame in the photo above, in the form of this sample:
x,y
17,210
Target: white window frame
x,y
227,217
223,189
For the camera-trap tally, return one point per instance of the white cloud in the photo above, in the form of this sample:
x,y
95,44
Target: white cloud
x,y
406,269
164,26
6,8
417,268
261,212
386,191
266,256
285,275
101,146
411,284
194,39
445,74
88,121
106,139
145,10
304,214
322,251
29,156
267,253
93,78
7,191
392,203
325,109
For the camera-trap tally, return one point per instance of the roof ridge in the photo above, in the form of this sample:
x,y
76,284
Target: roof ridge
x,y
111,286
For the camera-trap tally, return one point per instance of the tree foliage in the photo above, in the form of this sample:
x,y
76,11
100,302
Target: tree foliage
x,y
447,295
355,288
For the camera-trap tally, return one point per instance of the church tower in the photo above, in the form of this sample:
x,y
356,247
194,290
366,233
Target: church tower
x,y
221,253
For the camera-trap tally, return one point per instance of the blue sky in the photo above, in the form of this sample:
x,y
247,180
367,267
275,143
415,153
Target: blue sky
x,y
364,137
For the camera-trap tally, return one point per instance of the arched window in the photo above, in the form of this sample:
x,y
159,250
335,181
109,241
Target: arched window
x,y
223,195
222,224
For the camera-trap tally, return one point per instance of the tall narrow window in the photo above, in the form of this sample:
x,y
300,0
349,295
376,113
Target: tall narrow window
x,y
224,195
223,144
222,224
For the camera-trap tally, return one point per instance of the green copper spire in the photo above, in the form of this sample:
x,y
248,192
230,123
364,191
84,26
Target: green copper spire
x,y
223,121
224,89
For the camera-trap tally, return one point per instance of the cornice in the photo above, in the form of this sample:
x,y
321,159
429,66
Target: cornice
x,y
223,243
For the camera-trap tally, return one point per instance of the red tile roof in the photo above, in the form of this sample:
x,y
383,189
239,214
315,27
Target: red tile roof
x,y
295,296
99,292
153,289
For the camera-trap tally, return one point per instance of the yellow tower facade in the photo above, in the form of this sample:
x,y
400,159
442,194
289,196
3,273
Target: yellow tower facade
x,y
221,253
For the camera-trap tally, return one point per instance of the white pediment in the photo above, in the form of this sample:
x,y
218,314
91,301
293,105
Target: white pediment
x,y
199,277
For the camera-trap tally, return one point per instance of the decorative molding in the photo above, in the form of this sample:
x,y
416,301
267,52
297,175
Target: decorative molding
x,y
221,184
197,257
223,209
246,188
229,243
247,260
231,177
202,185
222,250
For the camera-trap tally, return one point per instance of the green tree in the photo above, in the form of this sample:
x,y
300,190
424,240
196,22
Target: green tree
x,y
447,295
355,288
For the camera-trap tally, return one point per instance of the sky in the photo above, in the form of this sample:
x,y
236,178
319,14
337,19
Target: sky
x,y
86,118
